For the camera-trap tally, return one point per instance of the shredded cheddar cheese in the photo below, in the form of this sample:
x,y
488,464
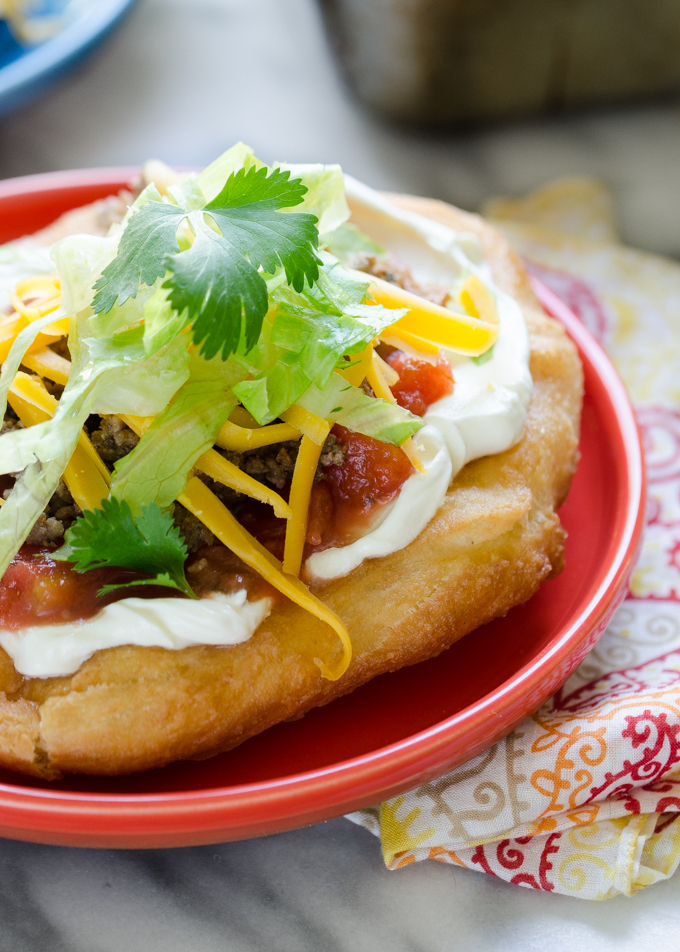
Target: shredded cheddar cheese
x,y
86,476
138,424
300,493
203,504
35,297
239,439
314,433
240,416
220,469
307,423
9,328
478,300
46,363
461,333
390,375
398,336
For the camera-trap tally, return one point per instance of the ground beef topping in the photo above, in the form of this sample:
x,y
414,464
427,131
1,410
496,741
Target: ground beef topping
x,y
113,439
10,423
275,464
59,514
195,534
389,268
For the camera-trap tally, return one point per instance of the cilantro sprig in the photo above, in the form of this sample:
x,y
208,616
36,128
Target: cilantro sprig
x,y
218,280
112,536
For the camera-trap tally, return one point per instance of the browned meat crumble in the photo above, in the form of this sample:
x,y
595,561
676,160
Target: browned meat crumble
x,y
59,514
195,534
389,268
275,464
113,439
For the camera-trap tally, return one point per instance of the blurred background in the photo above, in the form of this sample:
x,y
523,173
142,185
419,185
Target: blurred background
x,y
456,99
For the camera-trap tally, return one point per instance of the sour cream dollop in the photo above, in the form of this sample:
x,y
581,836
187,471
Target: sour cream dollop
x,y
48,651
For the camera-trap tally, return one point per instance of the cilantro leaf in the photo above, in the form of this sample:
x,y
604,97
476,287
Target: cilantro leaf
x,y
216,285
217,280
247,211
111,536
149,237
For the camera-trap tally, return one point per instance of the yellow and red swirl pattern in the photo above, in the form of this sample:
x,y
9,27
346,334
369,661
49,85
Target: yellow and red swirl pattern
x,y
584,798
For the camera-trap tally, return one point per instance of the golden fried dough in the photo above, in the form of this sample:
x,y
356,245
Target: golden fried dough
x,y
495,538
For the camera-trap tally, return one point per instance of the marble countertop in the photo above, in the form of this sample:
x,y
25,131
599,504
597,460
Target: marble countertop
x,y
321,889
182,81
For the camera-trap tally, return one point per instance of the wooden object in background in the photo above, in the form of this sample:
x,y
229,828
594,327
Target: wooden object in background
x,y
442,61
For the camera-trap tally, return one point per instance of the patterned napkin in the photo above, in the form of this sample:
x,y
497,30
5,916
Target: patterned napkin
x,y
584,797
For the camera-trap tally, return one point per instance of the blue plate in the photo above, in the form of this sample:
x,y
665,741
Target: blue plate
x,y
28,72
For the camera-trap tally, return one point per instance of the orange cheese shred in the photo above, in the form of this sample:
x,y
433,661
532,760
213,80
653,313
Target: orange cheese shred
x,y
87,478
46,363
462,333
220,469
239,439
198,499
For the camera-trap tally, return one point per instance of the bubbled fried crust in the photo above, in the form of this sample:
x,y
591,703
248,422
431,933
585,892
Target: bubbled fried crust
x,y
494,540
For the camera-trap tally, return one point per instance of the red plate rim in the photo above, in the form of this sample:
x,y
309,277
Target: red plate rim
x,y
289,801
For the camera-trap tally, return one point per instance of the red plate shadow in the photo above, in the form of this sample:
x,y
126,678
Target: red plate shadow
x,y
403,728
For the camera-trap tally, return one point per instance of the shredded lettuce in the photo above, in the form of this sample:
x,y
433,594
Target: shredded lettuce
x,y
161,321
347,241
32,490
325,196
79,260
157,469
312,331
269,395
340,402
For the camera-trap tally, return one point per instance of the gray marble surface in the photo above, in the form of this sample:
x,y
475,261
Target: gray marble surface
x,y
182,80
322,889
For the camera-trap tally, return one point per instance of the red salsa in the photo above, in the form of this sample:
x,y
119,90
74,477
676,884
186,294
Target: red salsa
x,y
420,382
345,504
36,590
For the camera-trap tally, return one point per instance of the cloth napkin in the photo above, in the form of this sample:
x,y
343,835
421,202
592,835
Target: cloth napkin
x,y
584,797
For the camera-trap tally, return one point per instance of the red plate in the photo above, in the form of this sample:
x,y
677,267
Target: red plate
x,y
401,729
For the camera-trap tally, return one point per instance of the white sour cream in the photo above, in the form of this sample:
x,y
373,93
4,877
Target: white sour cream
x,y
485,414
48,651
487,410
416,504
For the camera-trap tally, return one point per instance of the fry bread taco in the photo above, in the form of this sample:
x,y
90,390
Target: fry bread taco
x,y
267,435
